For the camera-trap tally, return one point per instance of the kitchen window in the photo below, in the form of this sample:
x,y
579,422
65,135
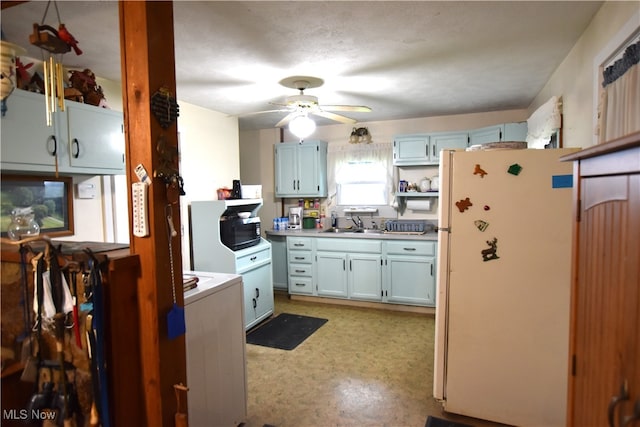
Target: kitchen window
x,y
360,175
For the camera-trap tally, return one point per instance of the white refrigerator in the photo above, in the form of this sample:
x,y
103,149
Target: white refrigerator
x,y
503,284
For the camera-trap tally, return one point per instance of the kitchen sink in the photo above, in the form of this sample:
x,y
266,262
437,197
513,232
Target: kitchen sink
x,y
353,230
343,230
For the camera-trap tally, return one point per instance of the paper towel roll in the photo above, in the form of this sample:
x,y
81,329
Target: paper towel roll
x,y
419,205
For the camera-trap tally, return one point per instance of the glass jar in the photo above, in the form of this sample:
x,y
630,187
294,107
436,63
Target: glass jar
x,y
22,224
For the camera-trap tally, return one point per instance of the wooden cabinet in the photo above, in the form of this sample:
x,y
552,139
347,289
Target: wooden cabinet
x,y
301,169
349,268
83,139
121,338
410,272
604,380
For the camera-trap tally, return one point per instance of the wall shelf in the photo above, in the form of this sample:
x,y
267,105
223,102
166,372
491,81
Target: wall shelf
x,y
417,194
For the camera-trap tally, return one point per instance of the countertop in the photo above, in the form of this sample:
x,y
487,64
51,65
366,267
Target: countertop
x,y
208,283
314,232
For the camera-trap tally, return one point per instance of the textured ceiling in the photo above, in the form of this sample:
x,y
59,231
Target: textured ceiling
x,y
402,59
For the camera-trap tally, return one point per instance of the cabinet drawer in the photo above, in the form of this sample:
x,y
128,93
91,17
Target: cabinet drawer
x,y
410,247
249,261
299,243
300,285
349,245
300,269
303,257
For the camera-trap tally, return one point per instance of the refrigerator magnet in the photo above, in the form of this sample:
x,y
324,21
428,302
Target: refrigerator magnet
x,y
479,171
464,204
491,252
515,169
481,225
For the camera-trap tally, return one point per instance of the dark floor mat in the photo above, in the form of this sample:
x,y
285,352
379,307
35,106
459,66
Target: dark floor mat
x,y
439,422
285,331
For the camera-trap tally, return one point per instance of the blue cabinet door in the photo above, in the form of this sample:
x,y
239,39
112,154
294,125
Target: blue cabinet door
x,y
486,135
331,274
451,140
286,172
365,277
411,150
410,280
26,138
96,137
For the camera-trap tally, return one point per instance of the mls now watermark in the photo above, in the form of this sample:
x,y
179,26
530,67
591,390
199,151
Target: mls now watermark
x,y
26,414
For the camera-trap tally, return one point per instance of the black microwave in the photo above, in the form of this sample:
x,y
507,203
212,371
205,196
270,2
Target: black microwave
x,y
239,233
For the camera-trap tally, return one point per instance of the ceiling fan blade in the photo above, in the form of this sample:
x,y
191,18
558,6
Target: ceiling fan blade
x,y
286,119
354,108
336,117
259,112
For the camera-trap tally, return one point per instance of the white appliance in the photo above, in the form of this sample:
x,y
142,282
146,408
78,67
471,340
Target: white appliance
x,y
503,284
215,349
295,218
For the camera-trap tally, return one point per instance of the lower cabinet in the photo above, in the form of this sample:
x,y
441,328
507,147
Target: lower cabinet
x,y
410,270
300,265
258,291
392,271
349,268
279,261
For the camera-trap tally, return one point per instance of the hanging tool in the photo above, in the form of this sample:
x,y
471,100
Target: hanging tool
x,y
181,418
175,318
58,294
97,340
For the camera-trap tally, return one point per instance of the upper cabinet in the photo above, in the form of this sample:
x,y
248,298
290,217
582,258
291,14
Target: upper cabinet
x,y
301,169
424,149
498,133
81,140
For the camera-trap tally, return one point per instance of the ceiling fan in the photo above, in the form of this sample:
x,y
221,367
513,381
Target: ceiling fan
x,y
303,105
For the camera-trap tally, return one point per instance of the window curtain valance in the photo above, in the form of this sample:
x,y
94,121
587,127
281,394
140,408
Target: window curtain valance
x,y
630,58
619,106
544,122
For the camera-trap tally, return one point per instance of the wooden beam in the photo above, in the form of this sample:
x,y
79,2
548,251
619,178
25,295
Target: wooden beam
x,y
8,4
148,65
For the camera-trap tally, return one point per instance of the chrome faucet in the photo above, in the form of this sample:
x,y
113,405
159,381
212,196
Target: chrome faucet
x,y
358,223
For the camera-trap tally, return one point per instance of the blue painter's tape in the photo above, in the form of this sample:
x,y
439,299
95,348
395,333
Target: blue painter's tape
x,y
562,181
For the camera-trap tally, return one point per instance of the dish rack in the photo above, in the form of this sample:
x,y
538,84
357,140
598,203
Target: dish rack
x,y
407,226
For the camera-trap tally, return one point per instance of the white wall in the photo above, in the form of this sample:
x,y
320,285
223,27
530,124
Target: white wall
x,y
209,159
574,78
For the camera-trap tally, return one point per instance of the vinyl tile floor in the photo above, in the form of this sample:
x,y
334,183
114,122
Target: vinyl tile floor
x,y
364,367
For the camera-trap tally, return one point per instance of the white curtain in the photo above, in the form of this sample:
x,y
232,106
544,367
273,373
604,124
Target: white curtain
x,y
619,107
339,155
544,122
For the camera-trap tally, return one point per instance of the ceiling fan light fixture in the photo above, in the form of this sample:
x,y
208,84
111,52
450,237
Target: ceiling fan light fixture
x,y
302,126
